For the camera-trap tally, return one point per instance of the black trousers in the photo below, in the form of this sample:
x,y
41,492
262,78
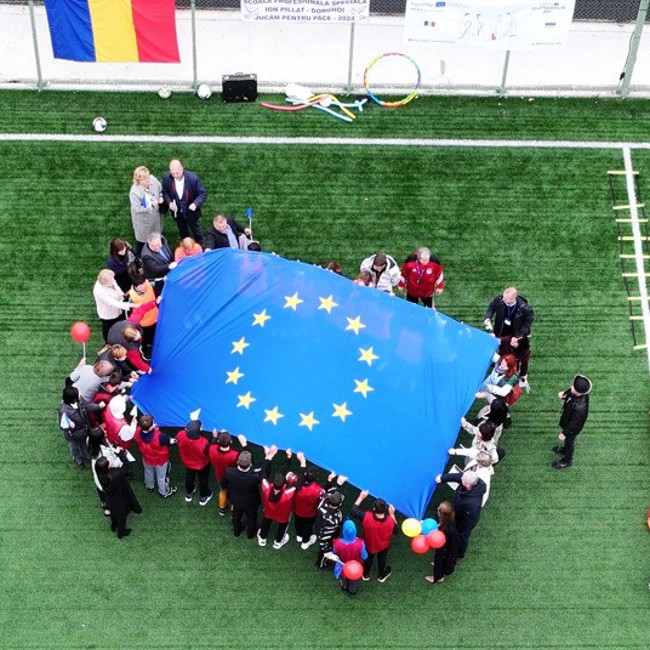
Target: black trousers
x,y
381,563
189,226
204,479
244,516
107,324
427,302
568,447
304,527
266,527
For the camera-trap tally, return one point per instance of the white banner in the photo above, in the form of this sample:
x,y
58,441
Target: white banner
x,y
306,11
495,24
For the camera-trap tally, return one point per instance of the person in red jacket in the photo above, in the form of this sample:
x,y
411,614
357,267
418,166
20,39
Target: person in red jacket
x,y
223,456
193,449
347,548
305,503
423,277
379,526
154,447
277,506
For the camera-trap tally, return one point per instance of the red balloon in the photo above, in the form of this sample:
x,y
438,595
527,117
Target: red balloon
x,y
353,570
80,332
436,539
419,544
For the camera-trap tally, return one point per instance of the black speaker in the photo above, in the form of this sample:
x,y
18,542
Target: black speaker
x,y
239,87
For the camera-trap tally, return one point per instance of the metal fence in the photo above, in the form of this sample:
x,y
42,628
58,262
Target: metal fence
x,y
606,54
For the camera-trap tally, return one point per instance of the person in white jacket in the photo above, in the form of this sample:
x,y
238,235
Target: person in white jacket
x,y
384,271
109,300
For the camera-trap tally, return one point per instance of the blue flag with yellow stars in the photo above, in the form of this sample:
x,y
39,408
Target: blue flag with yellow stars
x,y
366,385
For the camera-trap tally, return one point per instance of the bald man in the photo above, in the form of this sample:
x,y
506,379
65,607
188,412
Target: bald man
x,y
184,194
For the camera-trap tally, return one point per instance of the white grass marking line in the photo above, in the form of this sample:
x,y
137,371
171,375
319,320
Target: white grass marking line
x,y
638,245
338,142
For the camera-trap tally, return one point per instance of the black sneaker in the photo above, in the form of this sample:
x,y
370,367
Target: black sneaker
x,y
223,512
189,496
150,489
203,501
558,449
386,575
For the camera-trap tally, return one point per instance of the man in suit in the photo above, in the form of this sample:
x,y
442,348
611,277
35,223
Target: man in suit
x,y
157,258
184,193
574,415
225,232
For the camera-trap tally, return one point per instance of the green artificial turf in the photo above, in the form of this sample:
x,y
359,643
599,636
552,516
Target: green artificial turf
x,y
559,559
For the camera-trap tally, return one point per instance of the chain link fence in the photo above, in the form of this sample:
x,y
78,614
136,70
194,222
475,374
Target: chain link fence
x,y
214,40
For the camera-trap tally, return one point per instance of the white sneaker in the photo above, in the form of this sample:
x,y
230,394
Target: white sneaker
x,y
298,539
280,544
260,540
524,385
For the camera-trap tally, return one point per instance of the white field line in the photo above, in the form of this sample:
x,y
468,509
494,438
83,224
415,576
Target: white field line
x,y
366,142
638,246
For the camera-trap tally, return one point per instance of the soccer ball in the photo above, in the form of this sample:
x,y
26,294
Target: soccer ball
x,y
100,124
164,92
204,92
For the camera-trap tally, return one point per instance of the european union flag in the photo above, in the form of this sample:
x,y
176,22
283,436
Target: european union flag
x,y
365,384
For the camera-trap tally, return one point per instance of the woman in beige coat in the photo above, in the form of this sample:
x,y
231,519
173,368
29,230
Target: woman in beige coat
x,y
146,201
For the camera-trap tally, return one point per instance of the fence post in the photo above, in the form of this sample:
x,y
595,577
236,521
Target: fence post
x,y
506,61
195,82
348,89
37,56
626,76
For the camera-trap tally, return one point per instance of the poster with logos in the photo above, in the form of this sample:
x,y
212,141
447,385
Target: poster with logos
x,y
495,24
305,11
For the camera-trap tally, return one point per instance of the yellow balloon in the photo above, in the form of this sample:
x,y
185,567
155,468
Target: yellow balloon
x,y
411,527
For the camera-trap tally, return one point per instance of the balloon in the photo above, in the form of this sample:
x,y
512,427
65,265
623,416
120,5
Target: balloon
x,y
428,525
419,544
353,570
411,527
436,539
80,332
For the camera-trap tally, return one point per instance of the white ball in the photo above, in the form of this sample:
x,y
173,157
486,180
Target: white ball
x,y
164,92
100,124
204,91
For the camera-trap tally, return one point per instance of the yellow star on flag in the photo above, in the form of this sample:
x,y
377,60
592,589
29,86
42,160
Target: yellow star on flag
x,y
261,318
292,301
234,376
239,346
355,324
327,304
246,400
273,415
363,387
308,420
368,355
341,411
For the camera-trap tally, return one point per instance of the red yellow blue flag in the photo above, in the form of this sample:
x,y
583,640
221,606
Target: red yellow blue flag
x,y
113,30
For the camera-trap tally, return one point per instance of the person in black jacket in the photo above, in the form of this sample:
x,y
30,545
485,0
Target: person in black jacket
x,y
574,415
467,504
513,318
225,232
118,494
444,561
243,485
157,257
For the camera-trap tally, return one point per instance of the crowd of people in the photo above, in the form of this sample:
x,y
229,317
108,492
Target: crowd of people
x,y
103,429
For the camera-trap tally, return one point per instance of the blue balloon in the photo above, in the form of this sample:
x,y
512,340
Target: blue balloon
x,y
428,525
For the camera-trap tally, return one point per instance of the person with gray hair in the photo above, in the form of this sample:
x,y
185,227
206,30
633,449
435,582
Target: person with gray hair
x,y
422,276
157,257
467,503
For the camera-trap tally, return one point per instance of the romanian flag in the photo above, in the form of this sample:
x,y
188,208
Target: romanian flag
x,y
113,30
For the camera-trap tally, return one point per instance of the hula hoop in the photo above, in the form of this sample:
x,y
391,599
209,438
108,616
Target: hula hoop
x,y
400,102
